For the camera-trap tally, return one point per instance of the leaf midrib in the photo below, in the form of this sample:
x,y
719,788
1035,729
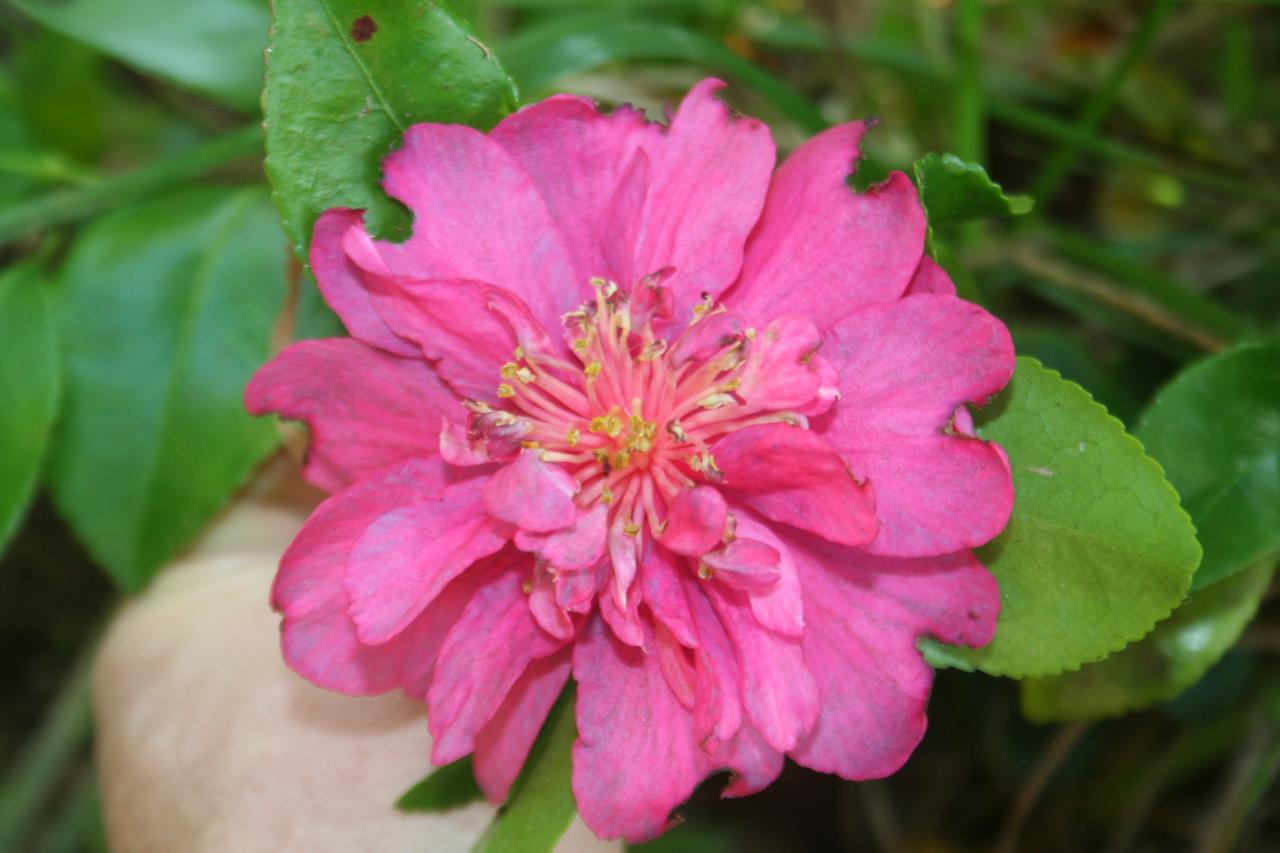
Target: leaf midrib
x,y
359,63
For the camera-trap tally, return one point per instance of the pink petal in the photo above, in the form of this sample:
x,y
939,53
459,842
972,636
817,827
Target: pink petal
x,y
778,606
318,637
905,368
532,494
547,611
407,556
625,621
821,249
705,338
624,556
746,564
578,546
339,280
578,158
457,447
503,744
930,278
708,187
794,476
636,758
489,648
778,374
663,591
365,409
718,703
470,328
695,521
780,694
755,764
478,216
864,615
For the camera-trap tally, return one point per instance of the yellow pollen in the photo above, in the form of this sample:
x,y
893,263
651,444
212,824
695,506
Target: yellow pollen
x,y
531,445
525,375
610,425
519,353
592,370
733,384
622,459
581,345
704,571
509,370
573,436
631,528
606,495
527,585
505,390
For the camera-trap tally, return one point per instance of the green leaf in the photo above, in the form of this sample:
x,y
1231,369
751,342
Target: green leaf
x,y
1164,663
213,47
540,806
1216,430
168,309
954,191
1098,549
28,389
344,81
444,788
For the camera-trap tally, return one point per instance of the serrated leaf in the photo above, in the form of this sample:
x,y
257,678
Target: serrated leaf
x,y
210,46
1216,430
540,806
344,81
1164,663
28,389
1097,550
167,309
443,789
954,191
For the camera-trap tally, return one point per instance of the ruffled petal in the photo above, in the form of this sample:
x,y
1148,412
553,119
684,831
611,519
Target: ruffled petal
x,y
584,164
318,637
636,758
531,494
488,649
365,409
930,278
864,615
706,192
663,590
342,286
794,476
821,249
503,744
409,554
695,521
478,216
778,691
905,368
573,548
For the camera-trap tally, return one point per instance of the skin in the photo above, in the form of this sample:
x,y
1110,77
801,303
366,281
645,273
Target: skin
x,y
207,742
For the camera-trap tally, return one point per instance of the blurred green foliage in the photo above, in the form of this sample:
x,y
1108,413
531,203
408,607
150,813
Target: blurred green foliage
x,y
1145,130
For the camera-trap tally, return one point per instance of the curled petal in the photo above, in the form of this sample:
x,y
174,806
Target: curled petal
x,y
746,564
695,521
532,494
578,546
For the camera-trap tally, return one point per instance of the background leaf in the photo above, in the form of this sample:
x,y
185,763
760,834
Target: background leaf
x,y
444,788
1161,665
1216,430
954,191
1098,549
344,81
168,309
28,388
210,46
540,806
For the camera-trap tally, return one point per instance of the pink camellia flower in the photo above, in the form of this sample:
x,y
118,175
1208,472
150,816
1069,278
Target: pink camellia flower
x,y
631,407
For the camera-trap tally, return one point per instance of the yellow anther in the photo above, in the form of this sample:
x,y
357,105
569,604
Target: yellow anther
x,y
630,528
573,436
509,370
602,456
716,401
527,585
677,432
592,370
749,334
653,351
606,495
733,384
530,444
519,353
598,283
525,375
610,425
704,571
505,390
581,345
621,459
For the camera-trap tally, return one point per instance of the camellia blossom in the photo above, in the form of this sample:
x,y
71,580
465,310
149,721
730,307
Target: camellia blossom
x,y
633,408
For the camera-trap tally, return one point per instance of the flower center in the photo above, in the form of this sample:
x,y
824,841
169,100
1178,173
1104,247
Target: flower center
x,y
633,420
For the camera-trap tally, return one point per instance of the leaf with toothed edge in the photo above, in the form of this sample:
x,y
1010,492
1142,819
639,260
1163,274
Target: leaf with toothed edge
x,y
1098,548
344,81
954,191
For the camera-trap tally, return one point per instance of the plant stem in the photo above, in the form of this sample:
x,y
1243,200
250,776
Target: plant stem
x,y
970,111
70,205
